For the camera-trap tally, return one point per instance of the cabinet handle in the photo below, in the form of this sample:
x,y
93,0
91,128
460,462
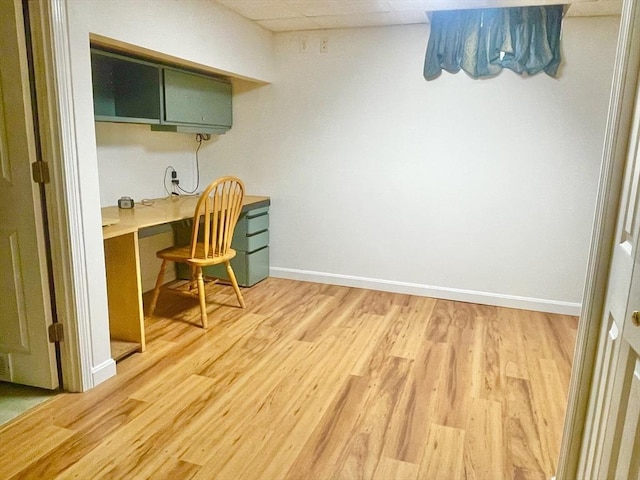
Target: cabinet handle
x,y
635,317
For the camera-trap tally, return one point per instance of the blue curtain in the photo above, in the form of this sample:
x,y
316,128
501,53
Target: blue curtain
x,y
484,41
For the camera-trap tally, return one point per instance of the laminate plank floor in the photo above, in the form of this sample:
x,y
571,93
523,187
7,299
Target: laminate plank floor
x,y
312,382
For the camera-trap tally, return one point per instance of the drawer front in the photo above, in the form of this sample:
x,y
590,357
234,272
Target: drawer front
x,y
251,243
257,266
249,268
257,224
256,212
249,225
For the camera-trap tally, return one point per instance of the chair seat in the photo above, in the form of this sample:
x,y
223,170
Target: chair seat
x,y
183,255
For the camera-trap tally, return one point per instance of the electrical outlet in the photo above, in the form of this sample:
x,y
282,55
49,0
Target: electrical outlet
x,y
174,177
324,45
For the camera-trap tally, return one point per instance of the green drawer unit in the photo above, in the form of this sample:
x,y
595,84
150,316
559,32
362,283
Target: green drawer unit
x,y
251,242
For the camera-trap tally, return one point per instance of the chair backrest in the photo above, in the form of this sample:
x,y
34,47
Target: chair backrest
x,y
216,216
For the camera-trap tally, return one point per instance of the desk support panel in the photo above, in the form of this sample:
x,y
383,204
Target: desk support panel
x,y
122,262
124,289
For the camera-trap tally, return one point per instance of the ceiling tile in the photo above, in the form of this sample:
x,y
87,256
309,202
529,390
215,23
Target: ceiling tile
x,y
318,8
289,24
290,15
358,20
261,9
599,8
401,5
408,17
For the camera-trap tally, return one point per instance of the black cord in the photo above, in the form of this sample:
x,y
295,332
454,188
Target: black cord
x,y
168,170
199,138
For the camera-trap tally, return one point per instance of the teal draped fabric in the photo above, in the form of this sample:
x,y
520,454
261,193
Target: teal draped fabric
x,y
484,41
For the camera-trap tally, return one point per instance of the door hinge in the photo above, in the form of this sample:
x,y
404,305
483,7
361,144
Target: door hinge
x,y
40,172
56,333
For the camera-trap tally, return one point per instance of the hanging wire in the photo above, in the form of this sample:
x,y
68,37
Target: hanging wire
x,y
199,138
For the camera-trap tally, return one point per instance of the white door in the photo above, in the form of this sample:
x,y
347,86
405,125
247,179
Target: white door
x,y
624,427
621,446
611,449
26,356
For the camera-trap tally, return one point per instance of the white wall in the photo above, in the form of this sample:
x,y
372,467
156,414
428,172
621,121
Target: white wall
x,y
133,161
458,188
197,31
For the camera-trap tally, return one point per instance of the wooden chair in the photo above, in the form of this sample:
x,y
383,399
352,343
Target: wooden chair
x,y
214,221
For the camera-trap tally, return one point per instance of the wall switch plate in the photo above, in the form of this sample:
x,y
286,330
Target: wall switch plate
x,y
304,45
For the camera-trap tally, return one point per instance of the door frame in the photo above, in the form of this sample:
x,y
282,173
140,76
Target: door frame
x,y
52,65
580,408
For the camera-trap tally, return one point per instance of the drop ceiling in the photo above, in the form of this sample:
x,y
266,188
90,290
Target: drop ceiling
x,y
291,15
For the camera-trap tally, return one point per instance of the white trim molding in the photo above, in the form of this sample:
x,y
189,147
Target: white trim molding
x,y
102,372
57,125
446,293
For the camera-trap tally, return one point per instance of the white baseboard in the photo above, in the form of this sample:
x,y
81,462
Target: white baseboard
x,y
102,372
446,293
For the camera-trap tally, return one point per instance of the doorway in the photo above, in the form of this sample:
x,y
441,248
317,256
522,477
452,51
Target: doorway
x,y
28,309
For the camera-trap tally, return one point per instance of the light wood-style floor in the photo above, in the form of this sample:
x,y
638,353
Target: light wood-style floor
x,y
314,382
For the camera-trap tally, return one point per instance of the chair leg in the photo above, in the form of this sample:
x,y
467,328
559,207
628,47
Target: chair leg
x,y
156,290
193,283
201,296
234,282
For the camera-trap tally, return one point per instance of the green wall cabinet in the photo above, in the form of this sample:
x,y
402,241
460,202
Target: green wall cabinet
x,y
195,99
127,89
250,240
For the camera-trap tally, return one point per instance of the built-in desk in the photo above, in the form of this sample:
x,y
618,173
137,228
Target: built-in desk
x,y
122,262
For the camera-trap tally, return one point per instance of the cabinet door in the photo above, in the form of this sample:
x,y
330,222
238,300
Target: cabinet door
x,y
195,99
125,90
